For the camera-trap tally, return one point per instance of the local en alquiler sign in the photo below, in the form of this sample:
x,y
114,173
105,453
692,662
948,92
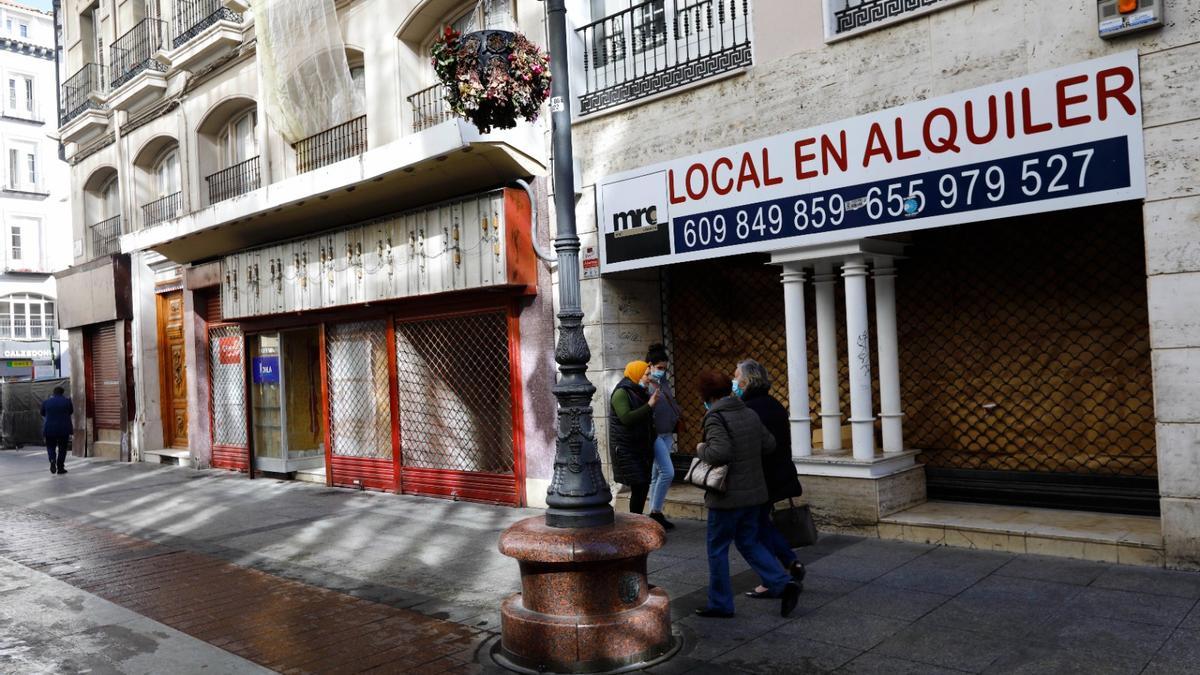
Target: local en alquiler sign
x,y
1059,139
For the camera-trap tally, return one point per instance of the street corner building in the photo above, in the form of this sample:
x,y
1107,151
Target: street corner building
x,y
291,260
962,236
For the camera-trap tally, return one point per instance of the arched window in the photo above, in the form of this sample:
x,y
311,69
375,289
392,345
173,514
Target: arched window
x,y
166,173
239,139
26,316
110,199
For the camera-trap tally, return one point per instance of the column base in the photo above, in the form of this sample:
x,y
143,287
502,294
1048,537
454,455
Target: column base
x,y
845,492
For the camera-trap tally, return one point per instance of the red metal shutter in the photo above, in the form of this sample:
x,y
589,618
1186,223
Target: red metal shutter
x,y
106,377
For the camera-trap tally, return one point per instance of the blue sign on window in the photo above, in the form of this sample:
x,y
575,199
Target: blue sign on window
x,y
266,369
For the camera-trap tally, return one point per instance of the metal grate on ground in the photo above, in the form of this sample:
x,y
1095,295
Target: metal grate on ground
x,y
359,397
281,624
456,393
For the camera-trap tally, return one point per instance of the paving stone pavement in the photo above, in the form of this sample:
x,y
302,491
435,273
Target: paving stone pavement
x,y
303,567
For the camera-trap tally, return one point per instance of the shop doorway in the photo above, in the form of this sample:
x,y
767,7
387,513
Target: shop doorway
x,y
172,364
285,399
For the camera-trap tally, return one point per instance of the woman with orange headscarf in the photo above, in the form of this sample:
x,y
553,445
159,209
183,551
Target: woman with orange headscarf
x,y
631,432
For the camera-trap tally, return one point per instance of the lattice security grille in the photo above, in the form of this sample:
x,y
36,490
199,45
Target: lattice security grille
x,y
359,397
228,391
455,393
1024,345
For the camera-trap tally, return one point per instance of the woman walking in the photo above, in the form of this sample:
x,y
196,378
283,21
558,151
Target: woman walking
x,y
631,432
734,437
666,417
752,380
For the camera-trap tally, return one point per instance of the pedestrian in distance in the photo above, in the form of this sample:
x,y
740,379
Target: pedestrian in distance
x,y
57,428
753,384
631,432
666,419
735,438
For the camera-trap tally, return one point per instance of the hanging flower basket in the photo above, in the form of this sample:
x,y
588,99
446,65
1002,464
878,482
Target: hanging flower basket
x,y
492,77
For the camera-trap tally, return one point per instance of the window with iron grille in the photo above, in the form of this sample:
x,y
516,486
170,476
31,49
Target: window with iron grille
x,y
845,17
456,393
228,391
359,390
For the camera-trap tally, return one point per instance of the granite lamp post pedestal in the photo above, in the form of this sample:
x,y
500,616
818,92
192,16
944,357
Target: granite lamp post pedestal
x,y
585,605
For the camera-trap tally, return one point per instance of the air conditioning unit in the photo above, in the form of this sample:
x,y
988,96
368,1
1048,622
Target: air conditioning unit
x,y
1121,17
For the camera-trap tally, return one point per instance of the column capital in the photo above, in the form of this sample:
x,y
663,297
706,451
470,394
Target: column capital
x,y
824,278
792,275
883,272
854,268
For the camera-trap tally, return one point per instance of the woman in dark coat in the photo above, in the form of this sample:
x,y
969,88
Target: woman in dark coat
x,y
631,433
752,381
734,437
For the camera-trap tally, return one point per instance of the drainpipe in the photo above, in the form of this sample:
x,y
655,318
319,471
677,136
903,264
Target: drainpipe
x,y
58,28
533,219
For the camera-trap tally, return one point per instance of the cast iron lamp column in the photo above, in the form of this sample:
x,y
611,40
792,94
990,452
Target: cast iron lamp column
x,y
585,605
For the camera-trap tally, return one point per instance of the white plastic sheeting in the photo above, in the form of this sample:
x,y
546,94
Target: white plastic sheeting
x,y
305,73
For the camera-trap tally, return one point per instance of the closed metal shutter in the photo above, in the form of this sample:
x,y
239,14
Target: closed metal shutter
x,y
106,377
209,303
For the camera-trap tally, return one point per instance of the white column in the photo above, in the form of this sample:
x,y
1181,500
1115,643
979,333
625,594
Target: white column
x,y
827,356
797,361
858,342
889,355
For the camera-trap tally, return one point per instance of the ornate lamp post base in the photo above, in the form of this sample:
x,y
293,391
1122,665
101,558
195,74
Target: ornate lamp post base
x,y
585,605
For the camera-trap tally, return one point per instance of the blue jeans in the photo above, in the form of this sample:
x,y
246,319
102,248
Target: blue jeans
x,y
739,526
773,539
663,473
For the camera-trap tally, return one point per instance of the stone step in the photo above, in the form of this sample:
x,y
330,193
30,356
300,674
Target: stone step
x,y
1104,537
105,449
171,456
685,502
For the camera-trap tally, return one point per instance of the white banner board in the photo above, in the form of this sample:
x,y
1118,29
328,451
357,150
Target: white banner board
x,y
1060,139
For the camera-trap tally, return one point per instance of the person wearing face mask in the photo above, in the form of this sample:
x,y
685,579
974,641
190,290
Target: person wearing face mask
x,y
752,384
666,418
631,432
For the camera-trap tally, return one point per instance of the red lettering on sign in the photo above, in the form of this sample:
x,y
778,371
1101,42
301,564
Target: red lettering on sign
x,y
802,157
696,195
1103,92
1010,114
768,179
901,153
829,152
993,123
675,199
1065,101
747,173
876,145
718,187
1027,115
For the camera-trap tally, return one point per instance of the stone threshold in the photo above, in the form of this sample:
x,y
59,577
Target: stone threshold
x,y
1103,537
171,456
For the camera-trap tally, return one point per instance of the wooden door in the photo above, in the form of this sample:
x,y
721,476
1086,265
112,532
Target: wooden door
x,y
172,369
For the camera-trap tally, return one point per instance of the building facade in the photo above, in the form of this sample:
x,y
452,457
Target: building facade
x,y
871,198
303,270
33,199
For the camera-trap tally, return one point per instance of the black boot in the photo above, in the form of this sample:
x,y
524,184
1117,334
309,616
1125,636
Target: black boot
x,y
659,518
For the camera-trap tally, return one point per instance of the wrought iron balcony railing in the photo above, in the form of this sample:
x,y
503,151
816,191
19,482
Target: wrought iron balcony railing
x,y
236,180
659,45
856,14
77,92
193,16
106,237
161,210
429,107
134,51
332,145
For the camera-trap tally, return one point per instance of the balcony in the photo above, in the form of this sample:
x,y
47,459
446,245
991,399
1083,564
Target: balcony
x,y
236,180
136,75
857,16
429,107
106,237
161,210
660,45
202,32
81,112
332,145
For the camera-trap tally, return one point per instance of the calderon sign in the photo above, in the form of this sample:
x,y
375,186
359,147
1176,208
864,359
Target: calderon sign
x,y
1055,140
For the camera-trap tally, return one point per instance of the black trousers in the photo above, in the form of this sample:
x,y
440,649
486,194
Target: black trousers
x,y
56,448
637,497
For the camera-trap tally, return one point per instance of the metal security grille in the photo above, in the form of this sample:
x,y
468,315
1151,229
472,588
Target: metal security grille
x,y
228,392
359,398
1024,346
455,393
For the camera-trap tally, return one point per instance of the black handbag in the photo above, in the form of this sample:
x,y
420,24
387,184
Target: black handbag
x,y
796,524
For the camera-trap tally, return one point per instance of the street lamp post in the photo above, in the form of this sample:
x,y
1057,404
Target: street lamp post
x,y
585,605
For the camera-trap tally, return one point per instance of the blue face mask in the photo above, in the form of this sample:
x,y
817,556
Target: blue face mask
x,y
658,374
736,389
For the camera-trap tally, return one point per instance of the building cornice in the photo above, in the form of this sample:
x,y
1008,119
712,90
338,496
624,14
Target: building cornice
x,y
27,48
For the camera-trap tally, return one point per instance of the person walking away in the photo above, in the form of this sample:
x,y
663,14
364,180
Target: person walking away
x,y
631,432
57,428
753,384
666,417
735,438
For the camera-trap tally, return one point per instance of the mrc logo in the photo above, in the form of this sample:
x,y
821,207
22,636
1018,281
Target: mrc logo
x,y
635,221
